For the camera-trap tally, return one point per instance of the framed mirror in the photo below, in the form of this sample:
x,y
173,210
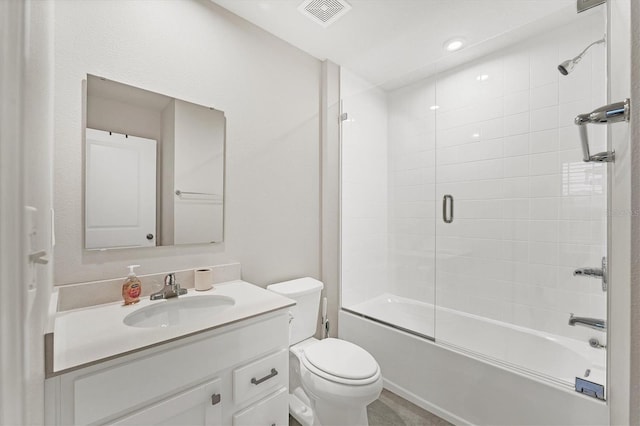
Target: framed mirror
x,y
154,169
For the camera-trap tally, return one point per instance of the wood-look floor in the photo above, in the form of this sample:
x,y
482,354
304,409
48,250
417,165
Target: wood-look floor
x,y
392,410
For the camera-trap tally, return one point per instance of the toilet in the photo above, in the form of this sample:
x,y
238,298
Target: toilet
x,y
331,381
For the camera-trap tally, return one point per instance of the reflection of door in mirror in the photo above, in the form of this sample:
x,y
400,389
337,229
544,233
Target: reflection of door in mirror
x,y
120,193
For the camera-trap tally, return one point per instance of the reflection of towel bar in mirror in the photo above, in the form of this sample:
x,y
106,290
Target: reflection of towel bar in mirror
x,y
198,195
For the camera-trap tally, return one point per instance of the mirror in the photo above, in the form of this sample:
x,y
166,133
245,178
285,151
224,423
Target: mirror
x,y
154,169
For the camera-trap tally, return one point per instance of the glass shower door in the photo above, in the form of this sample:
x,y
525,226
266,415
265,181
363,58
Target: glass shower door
x,y
518,209
387,204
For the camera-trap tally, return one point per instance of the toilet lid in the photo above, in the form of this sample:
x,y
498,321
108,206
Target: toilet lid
x,y
340,358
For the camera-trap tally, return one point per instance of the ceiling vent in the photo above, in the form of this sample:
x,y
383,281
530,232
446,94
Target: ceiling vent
x,y
324,12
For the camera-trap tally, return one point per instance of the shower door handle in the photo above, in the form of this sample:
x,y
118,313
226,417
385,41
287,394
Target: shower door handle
x,y
447,214
612,113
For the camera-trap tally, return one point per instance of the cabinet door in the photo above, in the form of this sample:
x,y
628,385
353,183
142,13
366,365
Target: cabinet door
x,y
271,411
201,405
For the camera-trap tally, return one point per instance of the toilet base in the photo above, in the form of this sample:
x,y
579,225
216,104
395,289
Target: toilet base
x,y
300,407
327,414
323,414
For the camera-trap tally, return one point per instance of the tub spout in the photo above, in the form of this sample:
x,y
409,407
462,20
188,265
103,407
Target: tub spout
x,y
594,323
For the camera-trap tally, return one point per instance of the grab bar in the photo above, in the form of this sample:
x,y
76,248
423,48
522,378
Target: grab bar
x,y
448,218
612,113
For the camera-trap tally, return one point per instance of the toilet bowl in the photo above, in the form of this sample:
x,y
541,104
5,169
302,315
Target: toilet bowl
x,y
331,381
340,379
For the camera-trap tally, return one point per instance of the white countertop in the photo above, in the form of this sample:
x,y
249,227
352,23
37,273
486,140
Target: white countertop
x,y
88,335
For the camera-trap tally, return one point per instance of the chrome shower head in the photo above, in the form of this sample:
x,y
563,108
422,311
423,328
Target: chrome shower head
x,y
567,66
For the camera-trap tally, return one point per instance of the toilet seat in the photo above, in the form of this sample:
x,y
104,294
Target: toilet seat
x,y
341,362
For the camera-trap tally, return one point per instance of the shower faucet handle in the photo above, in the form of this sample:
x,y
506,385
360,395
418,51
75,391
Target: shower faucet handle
x,y
594,273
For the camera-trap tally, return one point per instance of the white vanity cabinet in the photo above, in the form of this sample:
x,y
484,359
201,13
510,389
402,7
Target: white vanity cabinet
x,y
236,374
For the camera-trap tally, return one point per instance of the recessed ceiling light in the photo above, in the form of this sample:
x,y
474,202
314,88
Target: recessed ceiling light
x,y
483,77
475,135
454,44
434,107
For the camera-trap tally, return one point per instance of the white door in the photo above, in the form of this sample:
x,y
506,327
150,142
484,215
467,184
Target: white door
x,y
120,191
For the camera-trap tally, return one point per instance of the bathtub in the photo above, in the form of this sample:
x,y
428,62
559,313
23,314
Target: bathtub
x,y
478,371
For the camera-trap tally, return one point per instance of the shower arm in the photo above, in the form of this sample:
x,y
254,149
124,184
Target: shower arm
x,y
579,57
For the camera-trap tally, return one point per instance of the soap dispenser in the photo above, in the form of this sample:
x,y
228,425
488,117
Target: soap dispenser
x,y
132,287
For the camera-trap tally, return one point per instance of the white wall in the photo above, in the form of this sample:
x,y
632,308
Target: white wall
x,y
198,52
621,175
26,87
364,190
634,402
13,20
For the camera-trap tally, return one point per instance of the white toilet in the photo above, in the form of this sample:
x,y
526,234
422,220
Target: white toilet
x,y
331,381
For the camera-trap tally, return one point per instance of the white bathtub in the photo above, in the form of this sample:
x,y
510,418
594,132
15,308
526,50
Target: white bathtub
x,y
479,371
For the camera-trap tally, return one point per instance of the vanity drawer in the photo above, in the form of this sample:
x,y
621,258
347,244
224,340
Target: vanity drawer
x,y
271,411
261,376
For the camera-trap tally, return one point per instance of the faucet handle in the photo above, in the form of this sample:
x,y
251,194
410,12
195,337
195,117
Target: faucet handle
x,y
601,273
170,279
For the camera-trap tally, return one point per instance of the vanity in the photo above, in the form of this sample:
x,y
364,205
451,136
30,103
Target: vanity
x,y
218,357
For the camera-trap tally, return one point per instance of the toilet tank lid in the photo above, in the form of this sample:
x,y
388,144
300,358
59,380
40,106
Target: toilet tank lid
x,y
298,287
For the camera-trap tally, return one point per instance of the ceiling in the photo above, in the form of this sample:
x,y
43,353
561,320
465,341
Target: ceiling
x,y
390,42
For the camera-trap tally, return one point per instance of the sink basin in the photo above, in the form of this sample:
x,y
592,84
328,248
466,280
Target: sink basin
x,y
178,311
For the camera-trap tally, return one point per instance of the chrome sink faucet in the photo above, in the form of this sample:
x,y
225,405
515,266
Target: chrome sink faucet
x,y
170,289
594,323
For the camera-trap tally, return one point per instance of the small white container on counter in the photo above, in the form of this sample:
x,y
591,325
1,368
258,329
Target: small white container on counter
x,y
203,279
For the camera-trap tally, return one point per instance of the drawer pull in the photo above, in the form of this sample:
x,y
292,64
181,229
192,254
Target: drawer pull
x,y
273,373
215,399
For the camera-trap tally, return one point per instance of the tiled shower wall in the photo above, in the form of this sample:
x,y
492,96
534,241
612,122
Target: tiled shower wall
x,y
528,211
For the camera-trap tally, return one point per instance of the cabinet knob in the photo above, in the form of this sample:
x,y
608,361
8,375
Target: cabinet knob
x,y
215,399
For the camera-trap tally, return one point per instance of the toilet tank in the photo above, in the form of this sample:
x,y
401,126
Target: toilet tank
x,y
306,293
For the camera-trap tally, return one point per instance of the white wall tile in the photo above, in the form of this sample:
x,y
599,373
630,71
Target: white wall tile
x,y
544,66
543,230
516,124
517,74
516,187
492,129
545,208
516,145
517,208
543,252
516,166
545,118
516,102
545,186
543,141
544,96
544,164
